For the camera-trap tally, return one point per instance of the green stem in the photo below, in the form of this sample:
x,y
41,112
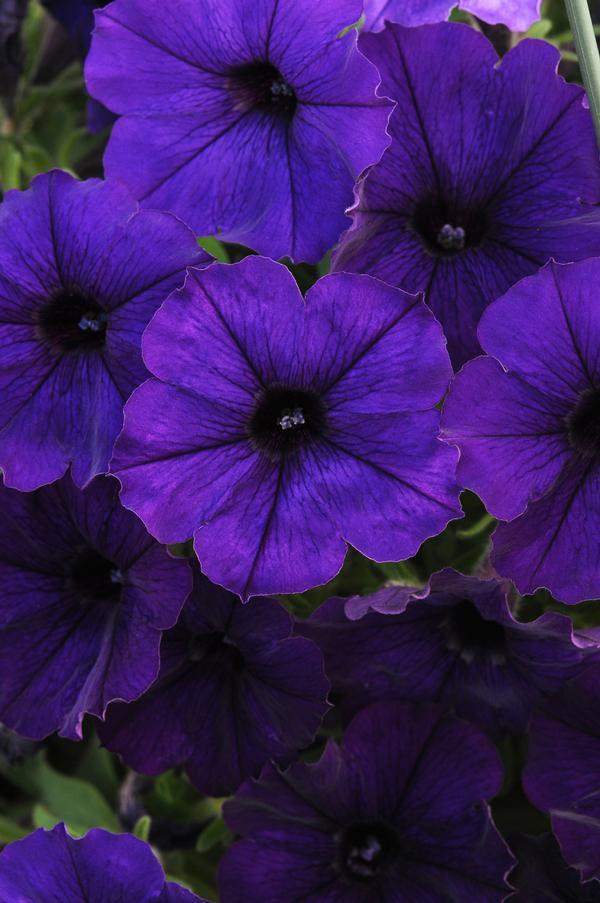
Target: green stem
x,y
587,53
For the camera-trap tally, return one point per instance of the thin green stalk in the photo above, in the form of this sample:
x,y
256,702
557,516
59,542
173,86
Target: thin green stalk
x,y
587,54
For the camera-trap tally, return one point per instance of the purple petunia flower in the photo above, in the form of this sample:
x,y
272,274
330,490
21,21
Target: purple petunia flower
x,y
518,15
482,183
53,867
81,274
86,594
397,813
563,769
234,690
277,430
255,126
454,642
542,875
527,422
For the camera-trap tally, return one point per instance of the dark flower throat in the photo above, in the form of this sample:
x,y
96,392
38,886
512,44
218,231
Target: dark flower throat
x,y
446,232
472,636
218,649
72,322
260,86
93,578
583,424
286,419
366,849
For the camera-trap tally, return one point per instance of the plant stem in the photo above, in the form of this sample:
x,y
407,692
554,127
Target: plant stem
x,y
587,52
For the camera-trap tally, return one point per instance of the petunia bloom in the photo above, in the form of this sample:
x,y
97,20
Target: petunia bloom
x,y
82,271
53,867
86,594
454,642
563,770
482,183
235,689
518,15
256,116
277,429
543,876
397,813
527,422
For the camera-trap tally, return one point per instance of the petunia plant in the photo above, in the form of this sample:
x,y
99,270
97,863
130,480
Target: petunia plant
x,y
299,451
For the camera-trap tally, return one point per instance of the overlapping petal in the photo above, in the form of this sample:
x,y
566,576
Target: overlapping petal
x,y
562,774
387,773
52,867
62,238
234,690
455,643
525,422
371,364
478,146
288,173
554,543
518,15
87,594
541,871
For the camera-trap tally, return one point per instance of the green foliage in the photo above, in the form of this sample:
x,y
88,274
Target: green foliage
x,y
464,545
59,797
215,248
48,126
84,784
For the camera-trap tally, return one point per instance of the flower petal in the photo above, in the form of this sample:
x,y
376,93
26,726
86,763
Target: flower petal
x,y
554,544
507,432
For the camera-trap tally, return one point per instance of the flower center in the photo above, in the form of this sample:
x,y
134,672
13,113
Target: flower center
x,y
451,238
72,322
583,423
94,578
286,419
216,646
446,232
366,849
261,86
471,636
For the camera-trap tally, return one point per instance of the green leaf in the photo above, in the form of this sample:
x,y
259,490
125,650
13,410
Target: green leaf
x,y
170,788
540,29
10,165
99,767
75,802
142,827
182,549
217,832
61,798
324,265
10,830
215,248
401,573
356,26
